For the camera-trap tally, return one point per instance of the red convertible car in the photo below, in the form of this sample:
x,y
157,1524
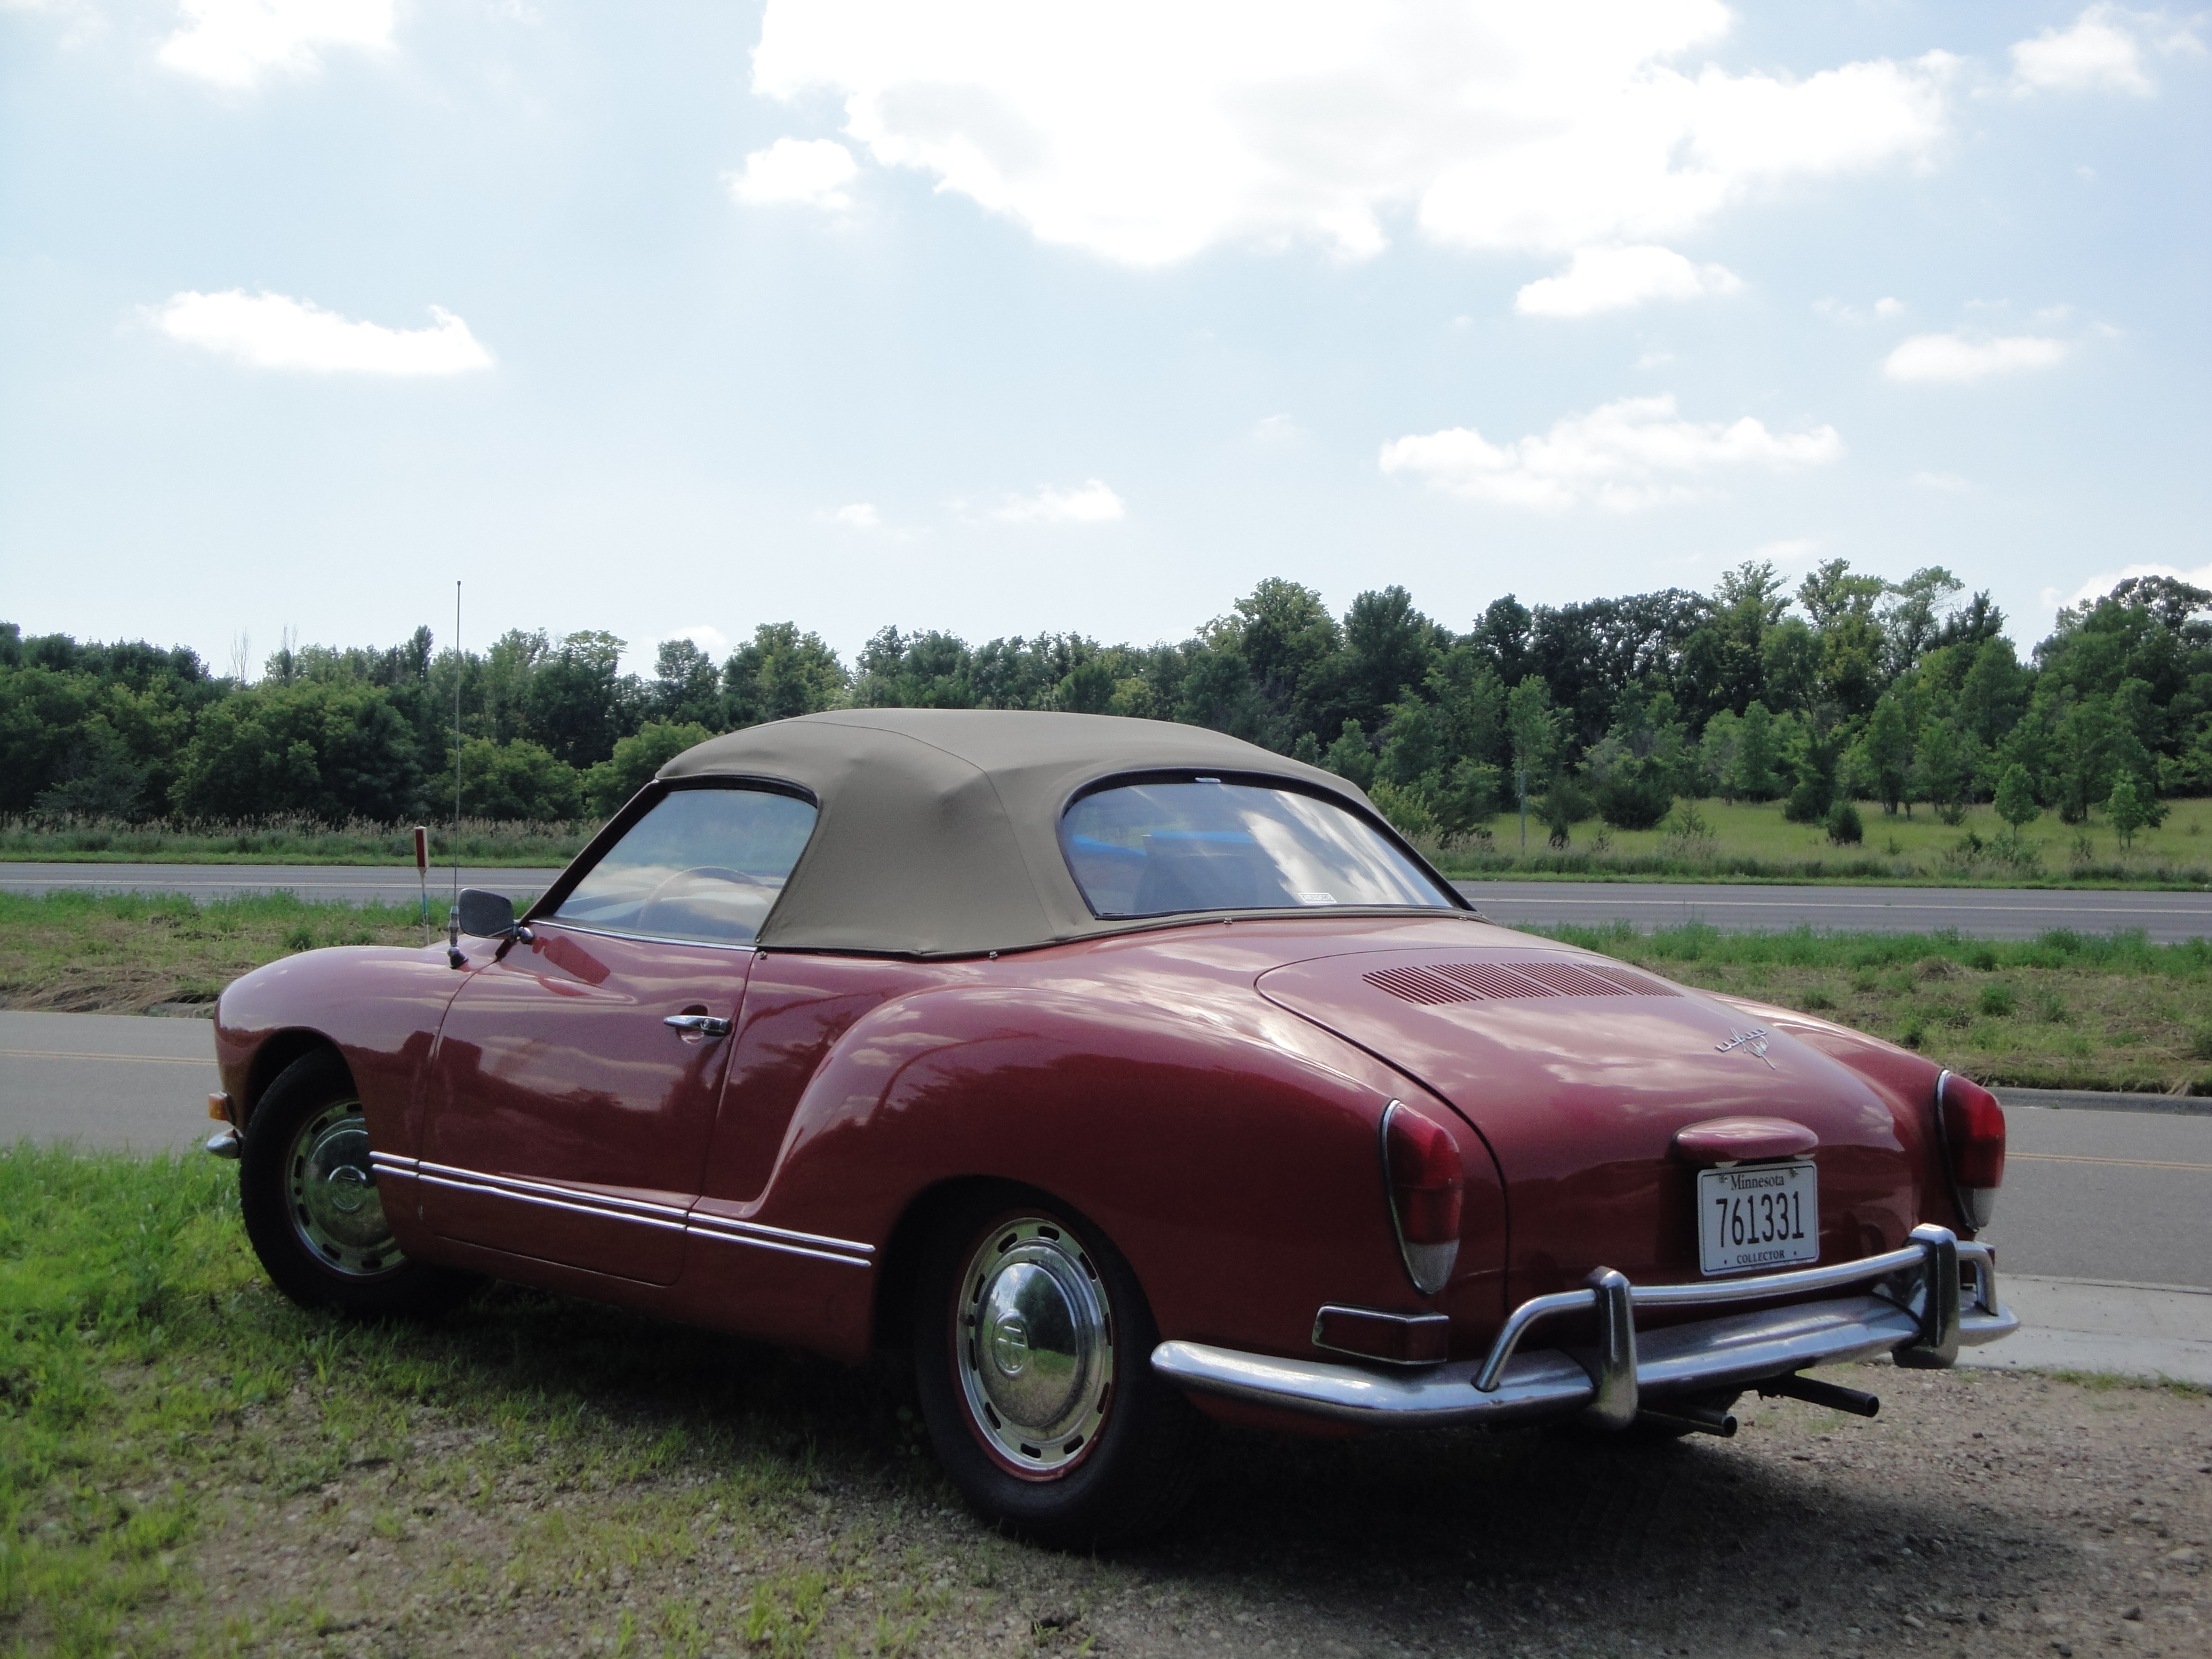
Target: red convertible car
x,y
1124,1075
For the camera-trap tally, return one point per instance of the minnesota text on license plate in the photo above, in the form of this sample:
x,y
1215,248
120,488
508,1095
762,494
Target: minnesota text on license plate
x,y
1758,1215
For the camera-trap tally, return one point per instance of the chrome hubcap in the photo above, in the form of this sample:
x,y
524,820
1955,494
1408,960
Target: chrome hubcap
x,y
1034,1345
331,1190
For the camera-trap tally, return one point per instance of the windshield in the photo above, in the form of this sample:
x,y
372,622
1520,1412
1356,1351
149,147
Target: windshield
x,y
1153,849
703,864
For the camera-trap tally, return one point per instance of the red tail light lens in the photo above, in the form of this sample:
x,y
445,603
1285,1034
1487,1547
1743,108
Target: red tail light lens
x,y
1972,1127
1427,1183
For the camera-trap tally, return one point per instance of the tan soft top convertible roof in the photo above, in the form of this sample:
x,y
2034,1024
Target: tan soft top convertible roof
x,y
939,832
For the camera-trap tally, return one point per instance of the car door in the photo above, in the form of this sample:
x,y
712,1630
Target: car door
x,y
572,1091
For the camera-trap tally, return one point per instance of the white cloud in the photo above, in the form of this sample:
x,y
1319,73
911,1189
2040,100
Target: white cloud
x,y
1615,278
1091,503
2102,50
232,42
1277,431
1655,359
814,172
1634,452
1149,131
270,331
1883,310
857,515
1949,483
1955,357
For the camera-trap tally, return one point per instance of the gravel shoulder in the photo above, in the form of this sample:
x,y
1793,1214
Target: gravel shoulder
x,y
1988,1513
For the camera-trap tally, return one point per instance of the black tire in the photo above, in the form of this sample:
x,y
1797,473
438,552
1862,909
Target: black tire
x,y
1124,1452
311,1207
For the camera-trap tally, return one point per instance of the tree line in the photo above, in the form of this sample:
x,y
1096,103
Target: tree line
x,y
1904,693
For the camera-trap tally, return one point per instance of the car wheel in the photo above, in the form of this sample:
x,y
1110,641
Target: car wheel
x,y
1033,1361
308,1195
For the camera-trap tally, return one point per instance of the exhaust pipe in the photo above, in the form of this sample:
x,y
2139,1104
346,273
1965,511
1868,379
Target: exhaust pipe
x,y
1685,1416
1794,1387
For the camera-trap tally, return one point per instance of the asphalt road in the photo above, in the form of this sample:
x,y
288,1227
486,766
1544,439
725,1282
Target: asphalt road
x,y
1985,912
353,883
1982,912
2124,1196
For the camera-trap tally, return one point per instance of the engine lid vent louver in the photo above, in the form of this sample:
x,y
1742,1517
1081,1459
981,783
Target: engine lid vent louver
x,y
1441,982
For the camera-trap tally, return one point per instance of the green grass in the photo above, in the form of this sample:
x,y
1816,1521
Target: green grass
x,y
1754,842
2064,1010
82,953
290,840
169,1424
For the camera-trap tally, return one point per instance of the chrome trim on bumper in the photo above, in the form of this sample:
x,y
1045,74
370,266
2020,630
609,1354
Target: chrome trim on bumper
x,y
1730,1350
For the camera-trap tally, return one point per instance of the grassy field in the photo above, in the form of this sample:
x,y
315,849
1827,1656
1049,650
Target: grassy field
x,y
76,952
2067,1010
290,840
1748,841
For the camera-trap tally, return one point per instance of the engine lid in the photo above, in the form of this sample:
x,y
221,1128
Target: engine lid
x,y
1580,1072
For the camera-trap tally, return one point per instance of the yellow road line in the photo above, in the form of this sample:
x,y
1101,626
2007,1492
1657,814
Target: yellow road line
x,y
2120,1163
127,1060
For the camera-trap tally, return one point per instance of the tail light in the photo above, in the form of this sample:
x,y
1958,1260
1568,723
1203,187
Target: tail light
x,y
1421,1168
1970,1125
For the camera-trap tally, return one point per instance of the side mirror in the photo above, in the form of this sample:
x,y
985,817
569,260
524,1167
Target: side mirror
x,y
485,915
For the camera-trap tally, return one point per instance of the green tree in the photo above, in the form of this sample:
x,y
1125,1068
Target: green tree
x,y
331,749
1757,752
636,761
1884,754
514,781
2016,803
2125,807
577,703
782,672
1350,757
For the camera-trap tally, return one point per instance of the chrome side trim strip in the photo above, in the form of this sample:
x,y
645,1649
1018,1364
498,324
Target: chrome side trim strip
x,y
578,1201
706,1223
484,1190
642,1208
781,1248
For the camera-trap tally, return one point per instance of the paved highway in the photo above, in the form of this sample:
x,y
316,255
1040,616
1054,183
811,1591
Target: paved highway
x,y
1986,912
1982,912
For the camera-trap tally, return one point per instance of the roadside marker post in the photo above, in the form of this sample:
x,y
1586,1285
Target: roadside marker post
x,y
423,875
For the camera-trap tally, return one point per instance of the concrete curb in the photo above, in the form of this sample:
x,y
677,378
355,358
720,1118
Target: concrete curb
x,y
2103,1100
2147,1331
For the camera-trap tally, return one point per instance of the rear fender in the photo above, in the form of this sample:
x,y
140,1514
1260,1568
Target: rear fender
x,y
1239,1175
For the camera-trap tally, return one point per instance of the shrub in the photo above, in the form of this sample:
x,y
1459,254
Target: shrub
x,y
1637,795
1815,999
1845,826
2200,1044
1998,1001
1915,1032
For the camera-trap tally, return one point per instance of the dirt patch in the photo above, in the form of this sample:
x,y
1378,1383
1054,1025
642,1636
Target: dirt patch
x,y
1986,1513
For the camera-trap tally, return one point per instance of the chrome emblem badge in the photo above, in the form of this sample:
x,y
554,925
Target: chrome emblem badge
x,y
1755,1040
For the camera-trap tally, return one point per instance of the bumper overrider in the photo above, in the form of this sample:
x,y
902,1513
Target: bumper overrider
x,y
1919,1305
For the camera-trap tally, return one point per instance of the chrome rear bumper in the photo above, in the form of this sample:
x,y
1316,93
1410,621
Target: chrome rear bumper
x,y
1912,1303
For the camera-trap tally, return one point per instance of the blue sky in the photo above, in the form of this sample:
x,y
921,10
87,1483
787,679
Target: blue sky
x,y
1003,318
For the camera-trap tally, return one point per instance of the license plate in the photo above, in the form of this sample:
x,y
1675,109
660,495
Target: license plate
x,y
1763,1215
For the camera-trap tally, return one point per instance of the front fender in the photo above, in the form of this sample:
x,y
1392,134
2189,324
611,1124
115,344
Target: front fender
x,y
380,1006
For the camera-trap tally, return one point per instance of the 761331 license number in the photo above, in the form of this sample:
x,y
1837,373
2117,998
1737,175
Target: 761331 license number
x,y
1758,1215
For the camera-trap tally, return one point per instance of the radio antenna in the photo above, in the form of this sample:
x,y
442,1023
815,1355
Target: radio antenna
x,y
461,667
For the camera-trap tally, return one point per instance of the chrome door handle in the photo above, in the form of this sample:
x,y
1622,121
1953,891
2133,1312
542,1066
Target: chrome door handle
x,y
704,1024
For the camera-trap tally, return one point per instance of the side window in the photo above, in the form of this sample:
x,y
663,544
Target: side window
x,y
703,864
